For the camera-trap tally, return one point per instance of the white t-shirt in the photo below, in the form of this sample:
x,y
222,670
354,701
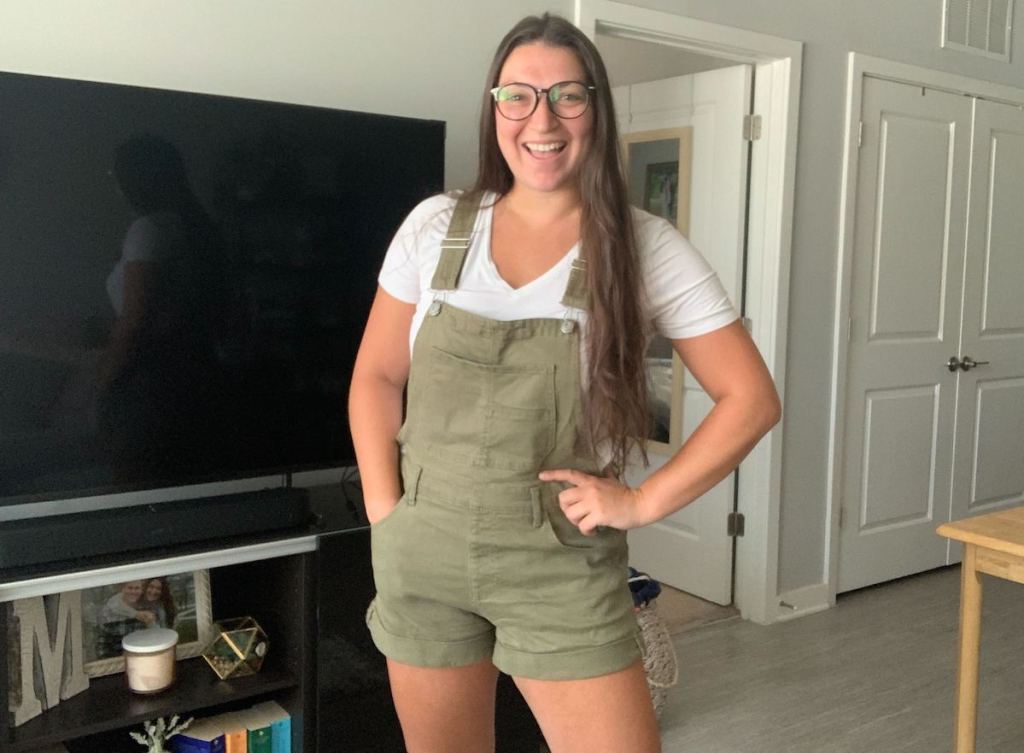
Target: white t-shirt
x,y
684,297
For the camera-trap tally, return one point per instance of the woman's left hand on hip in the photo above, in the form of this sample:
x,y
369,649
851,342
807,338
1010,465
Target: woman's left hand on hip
x,y
592,501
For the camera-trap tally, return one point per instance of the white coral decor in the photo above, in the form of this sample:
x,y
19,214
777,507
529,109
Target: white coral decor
x,y
159,732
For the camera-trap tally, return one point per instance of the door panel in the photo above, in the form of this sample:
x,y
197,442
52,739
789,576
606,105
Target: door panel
x,y
996,470
899,453
989,460
907,276
909,270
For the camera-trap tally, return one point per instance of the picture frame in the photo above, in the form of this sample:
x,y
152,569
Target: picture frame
x,y
658,170
179,601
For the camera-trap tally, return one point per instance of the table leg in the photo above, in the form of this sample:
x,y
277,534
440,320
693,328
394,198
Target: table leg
x,y
970,640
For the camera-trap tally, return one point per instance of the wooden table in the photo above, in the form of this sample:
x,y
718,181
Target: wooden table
x,y
993,544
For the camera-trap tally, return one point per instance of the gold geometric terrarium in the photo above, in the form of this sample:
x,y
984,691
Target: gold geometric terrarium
x,y
238,647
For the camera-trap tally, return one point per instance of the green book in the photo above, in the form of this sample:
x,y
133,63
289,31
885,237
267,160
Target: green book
x,y
259,736
280,725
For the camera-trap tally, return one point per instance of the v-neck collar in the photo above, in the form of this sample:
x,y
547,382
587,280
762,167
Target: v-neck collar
x,y
486,228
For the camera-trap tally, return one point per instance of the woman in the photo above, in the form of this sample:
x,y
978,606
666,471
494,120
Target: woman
x,y
498,519
157,598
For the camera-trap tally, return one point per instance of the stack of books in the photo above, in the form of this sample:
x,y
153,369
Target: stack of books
x,y
264,728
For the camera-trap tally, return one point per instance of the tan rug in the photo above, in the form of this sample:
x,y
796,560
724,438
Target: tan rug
x,y
680,611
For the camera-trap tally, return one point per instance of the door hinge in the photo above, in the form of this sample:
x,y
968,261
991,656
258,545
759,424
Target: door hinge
x,y
860,134
734,524
751,127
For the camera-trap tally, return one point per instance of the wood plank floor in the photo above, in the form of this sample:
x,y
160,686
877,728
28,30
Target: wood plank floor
x,y
876,674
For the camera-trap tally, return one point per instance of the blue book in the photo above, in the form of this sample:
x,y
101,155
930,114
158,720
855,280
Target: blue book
x,y
280,725
202,736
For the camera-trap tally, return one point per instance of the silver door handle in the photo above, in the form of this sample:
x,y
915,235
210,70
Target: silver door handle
x,y
969,363
953,363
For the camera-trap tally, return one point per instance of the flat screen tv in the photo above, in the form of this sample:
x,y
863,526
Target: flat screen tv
x,y
184,280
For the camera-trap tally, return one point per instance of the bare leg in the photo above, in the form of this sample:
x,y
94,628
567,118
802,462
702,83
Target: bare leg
x,y
607,714
448,710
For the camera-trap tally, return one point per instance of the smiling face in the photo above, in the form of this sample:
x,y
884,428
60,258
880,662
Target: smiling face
x,y
543,151
154,590
131,591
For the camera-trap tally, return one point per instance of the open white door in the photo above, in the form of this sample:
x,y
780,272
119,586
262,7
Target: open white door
x,y
692,549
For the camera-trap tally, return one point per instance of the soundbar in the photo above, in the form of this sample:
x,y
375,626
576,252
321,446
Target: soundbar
x,y
57,538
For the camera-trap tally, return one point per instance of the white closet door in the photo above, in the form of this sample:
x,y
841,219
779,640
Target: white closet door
x,y
989,457
905,306
691,549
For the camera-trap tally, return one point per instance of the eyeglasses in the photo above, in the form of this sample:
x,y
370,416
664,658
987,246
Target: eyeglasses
x,y
567,99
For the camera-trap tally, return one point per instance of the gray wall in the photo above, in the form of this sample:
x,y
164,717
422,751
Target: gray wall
x,y
906,31
428,59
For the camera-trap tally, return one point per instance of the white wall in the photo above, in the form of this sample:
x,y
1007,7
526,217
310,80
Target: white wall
x,y
415,58
427,58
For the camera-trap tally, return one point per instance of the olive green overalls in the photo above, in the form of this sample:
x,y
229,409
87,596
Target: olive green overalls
x,y
478,560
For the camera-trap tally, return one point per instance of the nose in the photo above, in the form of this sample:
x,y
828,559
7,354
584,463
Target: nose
x,y
543,119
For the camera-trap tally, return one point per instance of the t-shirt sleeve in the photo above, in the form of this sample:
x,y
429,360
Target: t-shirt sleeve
x,y
401,273
150,238
685,298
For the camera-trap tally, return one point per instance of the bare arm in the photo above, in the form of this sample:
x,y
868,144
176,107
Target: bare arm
x,y
730,369
375,401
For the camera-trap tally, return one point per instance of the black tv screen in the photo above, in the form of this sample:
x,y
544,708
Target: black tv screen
x,y
184,280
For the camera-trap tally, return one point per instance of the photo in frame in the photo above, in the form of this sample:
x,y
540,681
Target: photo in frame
x,y
180,602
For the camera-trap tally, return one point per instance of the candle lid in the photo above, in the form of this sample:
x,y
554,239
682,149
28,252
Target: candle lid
x,y
149,641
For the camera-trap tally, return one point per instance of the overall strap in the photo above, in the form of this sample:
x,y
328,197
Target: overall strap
x,y
456,243
576,293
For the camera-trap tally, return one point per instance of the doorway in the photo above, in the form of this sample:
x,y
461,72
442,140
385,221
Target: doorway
x,y
681,121
774,64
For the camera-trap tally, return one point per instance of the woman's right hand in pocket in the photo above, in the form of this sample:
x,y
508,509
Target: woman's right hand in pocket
x,y
378,511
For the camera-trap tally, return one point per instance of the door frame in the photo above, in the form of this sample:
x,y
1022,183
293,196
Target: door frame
x,y
860,66
777,65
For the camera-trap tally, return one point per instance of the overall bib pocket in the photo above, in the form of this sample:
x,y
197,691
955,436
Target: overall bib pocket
x,y
494,415
520,418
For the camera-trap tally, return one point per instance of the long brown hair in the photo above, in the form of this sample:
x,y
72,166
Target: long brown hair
x,y
615,403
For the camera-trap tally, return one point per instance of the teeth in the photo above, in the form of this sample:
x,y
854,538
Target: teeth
x,y
546,147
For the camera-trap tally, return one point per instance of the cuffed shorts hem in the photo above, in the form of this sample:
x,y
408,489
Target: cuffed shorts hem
x,y
575,664
425,652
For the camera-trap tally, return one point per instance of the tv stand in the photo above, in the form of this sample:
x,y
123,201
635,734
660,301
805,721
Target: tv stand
x,y
307,587
53,538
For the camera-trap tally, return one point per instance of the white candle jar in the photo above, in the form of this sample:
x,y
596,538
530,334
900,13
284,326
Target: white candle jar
x,y
149,659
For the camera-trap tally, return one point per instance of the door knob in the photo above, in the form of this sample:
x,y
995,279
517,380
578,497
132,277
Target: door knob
x,y
953,363
969,363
